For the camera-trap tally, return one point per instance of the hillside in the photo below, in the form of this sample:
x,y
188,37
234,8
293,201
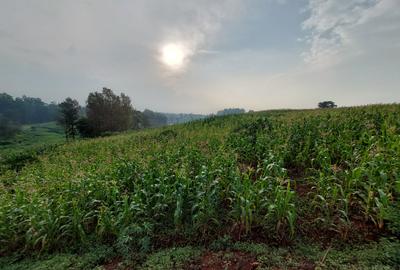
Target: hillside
x,y
273,190
34,135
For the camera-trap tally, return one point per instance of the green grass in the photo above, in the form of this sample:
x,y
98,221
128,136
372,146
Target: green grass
x,y
382,255
173,258
34,135
325,177
32,141
89,260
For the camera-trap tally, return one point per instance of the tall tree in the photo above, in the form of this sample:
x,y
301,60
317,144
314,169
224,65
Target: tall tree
x,y
108,112
69,114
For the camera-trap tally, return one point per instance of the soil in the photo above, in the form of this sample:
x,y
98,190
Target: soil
x,y
225,260
295,173
113,264
306,265
236,260
302,189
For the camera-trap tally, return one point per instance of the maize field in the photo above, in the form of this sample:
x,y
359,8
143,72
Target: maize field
x,y
273,176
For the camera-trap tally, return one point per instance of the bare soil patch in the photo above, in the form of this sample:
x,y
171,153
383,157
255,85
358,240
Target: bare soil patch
x,y
235,260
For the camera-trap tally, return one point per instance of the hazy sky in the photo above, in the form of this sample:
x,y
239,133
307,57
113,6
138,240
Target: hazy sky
x,y
203,55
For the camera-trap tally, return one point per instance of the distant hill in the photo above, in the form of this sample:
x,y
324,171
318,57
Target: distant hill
x,y
230,111
178,118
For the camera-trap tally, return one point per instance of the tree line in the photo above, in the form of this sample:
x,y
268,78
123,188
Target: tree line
x,y
27,110
105,112
15,112
230,111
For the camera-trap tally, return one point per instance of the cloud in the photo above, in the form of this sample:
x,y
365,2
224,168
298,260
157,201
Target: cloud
x,y
342,28
100,29
242,53
107,43
196,29
352,57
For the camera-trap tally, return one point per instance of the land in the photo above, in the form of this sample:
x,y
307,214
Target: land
x,y
284,189
34,135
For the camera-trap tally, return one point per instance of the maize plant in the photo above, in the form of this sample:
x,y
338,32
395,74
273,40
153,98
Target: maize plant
x,y
279,174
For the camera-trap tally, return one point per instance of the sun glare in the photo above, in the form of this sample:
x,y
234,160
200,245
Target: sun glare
x,y
173,55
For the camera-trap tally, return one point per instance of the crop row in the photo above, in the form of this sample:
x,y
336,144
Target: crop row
x,y
272,175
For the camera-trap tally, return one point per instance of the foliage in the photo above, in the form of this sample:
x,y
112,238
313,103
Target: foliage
x,y
69,114
7,128
327,104
27,110
15,160
382,255
180,118
108,112
31,136
174,258
167,134
279,176
89,260
377,255
139,120
154,119
85,128
230,111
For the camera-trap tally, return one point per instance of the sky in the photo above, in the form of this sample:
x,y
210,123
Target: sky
x,y
201,56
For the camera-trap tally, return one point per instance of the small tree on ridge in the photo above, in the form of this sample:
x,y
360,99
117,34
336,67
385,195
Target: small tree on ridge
x,y
327,104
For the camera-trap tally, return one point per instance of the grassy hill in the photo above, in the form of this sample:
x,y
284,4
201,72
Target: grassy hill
x,y
34,135
273,190
28,144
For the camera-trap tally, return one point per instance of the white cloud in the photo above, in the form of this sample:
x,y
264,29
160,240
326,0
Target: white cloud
x,y
197,28
108,43
242,53
345,28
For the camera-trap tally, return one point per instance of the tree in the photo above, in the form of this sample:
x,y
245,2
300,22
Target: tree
x,y
107,112
7,128
69,114
85,128
154,119
27,110
139,120
327,104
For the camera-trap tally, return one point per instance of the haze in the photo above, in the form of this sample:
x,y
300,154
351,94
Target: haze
x,y
201,56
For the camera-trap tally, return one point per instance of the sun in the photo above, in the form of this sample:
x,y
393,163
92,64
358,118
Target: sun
x,y
173,55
